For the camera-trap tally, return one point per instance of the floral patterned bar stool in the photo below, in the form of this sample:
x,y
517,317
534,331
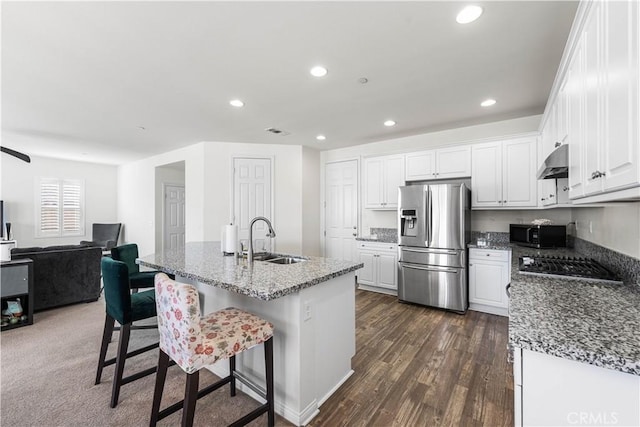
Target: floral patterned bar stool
x,y
195,341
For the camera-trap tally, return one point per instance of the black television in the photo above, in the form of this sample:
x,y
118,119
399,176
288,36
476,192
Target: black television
x,y
2,227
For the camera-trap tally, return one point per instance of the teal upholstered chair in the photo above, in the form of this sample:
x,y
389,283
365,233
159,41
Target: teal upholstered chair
x,y
124,307
128,254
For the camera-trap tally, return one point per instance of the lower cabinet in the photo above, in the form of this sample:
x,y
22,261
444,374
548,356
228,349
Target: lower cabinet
x,y
552,391
380,269
16,291
489,273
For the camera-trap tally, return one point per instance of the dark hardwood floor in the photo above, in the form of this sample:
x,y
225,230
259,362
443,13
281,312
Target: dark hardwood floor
x,y
418,366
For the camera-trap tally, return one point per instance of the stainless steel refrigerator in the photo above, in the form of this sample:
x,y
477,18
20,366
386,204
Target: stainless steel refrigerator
x,y
433,231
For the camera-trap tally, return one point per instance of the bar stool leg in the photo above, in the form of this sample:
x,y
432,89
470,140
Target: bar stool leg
x,y
232,370
190,397
123,344
268,360
109,322
161,376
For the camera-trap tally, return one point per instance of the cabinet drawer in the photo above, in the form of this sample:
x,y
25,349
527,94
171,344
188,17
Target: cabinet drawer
x,y
15,280
377,246
488,254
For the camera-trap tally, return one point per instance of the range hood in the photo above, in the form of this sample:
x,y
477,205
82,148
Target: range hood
x,y
556,165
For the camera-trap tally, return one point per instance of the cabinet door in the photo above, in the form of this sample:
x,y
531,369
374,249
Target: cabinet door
x,y
592,101
557,391
453,162
393,178
486,175
420,165
620,54
575,94
366,275
387,270
487,281
519,173
374,176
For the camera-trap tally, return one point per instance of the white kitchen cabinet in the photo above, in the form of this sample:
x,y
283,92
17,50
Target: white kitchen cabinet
x,y
489,275
443,163
603,78
383,176
380,269
503,173
552,391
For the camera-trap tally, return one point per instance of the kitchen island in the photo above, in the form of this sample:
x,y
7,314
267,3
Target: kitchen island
x,y
310,303
576,348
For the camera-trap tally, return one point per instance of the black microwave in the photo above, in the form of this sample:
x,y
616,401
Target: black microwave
x,y
538,236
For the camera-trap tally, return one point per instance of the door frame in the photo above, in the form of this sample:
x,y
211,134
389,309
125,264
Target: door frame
x,y
323,200
232,194
164,209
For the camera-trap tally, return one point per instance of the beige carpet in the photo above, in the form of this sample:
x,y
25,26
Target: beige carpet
x,y
47,373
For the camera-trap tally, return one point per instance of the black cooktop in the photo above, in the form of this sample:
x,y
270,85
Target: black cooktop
x,y
568,267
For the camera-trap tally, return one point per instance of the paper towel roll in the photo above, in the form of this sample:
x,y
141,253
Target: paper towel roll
x,y
229,239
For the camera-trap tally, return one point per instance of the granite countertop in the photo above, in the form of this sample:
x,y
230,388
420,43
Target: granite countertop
x,y
378,238
590,322
500,246
204,262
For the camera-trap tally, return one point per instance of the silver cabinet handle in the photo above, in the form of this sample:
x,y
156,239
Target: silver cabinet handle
x,y
597,174
504,201
543,199
551,196
355,234
488,254
355,227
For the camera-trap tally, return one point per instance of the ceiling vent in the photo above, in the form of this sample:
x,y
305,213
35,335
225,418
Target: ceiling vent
x,y
277,131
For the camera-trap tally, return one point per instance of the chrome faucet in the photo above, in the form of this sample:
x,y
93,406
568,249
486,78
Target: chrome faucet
x,y
270,234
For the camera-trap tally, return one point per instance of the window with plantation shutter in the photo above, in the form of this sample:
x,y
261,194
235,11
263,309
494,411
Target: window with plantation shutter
x,y
60,207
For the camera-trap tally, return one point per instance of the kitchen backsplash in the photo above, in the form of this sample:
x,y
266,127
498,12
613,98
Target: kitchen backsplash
x,y
493,237
388,234
628,268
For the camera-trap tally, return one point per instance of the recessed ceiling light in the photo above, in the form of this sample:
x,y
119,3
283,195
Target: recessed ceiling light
x,y
318,71
488,102
236,103
142,128
363,80
321,137
389,123
469,14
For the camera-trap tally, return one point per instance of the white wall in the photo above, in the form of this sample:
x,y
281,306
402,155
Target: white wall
x,y
615,227
137,194
387,219
208,184
311,202
18,192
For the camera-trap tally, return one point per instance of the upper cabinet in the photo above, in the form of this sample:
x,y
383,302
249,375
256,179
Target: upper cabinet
x,y
503,173
443,163
602,90
382,177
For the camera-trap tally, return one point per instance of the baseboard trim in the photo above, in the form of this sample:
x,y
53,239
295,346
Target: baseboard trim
x,y
298,418
336,387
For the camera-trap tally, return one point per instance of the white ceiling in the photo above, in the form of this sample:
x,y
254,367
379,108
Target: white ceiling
x,y
80,78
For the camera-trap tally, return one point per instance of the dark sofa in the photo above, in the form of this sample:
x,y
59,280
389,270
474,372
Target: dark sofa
x,y
63,274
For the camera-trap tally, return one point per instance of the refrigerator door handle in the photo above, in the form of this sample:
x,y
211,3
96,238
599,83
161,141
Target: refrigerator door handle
x,y
429,220
437,269
430,251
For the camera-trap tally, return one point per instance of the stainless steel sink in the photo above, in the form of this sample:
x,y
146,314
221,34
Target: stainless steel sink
x,y
286,260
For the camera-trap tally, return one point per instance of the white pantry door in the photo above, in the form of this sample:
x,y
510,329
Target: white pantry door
x,y
173,217
341,209
251,198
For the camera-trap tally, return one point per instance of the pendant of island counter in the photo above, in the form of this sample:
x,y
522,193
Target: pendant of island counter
x,y
310,303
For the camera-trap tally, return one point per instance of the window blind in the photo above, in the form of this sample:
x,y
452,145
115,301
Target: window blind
x,y
61,207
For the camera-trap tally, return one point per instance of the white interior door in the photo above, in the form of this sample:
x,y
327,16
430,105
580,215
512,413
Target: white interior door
x,y
173,217
341,210
252,197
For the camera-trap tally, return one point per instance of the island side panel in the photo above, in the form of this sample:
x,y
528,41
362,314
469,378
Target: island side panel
x,y
312,357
